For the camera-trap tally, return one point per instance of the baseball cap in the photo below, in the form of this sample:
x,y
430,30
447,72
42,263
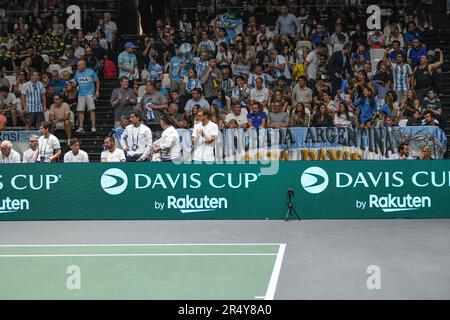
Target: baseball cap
x,y
64,58
431,53
129,45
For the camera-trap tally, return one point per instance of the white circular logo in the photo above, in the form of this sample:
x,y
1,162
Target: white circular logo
x,y
314,180
114,181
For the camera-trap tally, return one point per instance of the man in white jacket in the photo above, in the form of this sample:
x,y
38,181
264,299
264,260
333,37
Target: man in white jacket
x,y
137,139
168,146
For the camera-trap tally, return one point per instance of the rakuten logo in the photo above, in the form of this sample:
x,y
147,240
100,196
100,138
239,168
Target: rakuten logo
x,y
392,203
189,204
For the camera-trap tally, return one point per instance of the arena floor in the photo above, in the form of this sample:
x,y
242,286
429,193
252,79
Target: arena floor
x,y
225,259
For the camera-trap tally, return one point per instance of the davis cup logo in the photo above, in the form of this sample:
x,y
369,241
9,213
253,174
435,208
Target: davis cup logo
x,y
114,181
314,180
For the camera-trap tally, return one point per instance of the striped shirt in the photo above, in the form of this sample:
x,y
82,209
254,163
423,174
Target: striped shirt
x,y
400,75
33,94
155,71
201,67
238,93
279,61
227,86
192,84
208,45
266,80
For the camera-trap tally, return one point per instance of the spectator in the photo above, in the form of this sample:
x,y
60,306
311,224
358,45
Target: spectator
x,y
8,104
322,118
257,117
112,153
425,154
204,137
34,102
423,74
403,151
154,104
196,99
365,108
177,119
60,116
433,103
339,67
32,153
49,147
8,154
239,115
136,139
260,93
299,116
123,100
402,74
210,79
428,119
88,88
343,118
287,23
168,146
127,62
278,118
65,70
75,155
416,52
57,83
301,93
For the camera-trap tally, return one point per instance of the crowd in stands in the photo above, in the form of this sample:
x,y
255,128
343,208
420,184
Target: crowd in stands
x,y
292,71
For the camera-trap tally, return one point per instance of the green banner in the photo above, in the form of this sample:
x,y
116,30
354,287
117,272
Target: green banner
x,y
131,191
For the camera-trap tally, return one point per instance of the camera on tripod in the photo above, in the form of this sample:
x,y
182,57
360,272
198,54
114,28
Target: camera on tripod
x,y
291,210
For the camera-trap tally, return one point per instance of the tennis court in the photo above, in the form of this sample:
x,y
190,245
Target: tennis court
x,y
140,271
327,259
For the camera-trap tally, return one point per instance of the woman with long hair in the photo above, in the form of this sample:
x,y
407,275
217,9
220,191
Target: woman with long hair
x,y
322,119
411,104
365,107
241,60
343,118
192,81
299,117
216,117
224,57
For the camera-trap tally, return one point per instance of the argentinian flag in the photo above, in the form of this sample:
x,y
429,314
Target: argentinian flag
x,y
232,25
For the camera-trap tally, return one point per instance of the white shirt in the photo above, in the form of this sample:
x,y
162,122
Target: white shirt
x,y
259,95
138,140
47,147
203,150
14,157
313,63
170,144
29,156
241,118
117,156
82,156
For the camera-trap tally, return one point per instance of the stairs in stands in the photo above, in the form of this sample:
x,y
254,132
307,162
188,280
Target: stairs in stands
x,y
439,38
92,143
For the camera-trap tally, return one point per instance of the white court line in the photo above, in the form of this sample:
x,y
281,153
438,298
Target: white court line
x,y
131,255
136,245
275,273
260,297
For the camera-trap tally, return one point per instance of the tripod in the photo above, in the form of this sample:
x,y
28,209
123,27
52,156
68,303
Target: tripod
x,y
291,210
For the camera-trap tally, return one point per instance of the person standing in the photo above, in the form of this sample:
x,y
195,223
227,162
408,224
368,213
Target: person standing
x,y
338,67
127,63
49,147
123,100
8,155
75,155
168,146
34,102
136,139
112,153
204,137
88,88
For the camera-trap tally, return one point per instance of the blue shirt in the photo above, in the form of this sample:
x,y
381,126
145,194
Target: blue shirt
x,y
128,60
415,55
176,70
58,86
155,71
287,25
366,109
393,54
257,119
86,82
